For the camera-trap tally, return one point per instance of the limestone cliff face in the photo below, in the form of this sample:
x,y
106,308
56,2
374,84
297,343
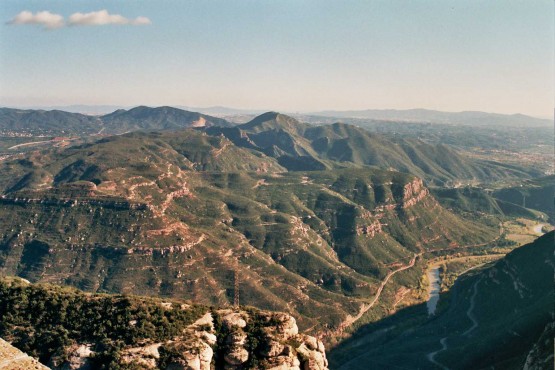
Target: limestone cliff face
x,y
413,192
223,339
370,230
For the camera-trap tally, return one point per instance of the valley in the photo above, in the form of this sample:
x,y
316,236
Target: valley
x,y
278,214
466,322
277,185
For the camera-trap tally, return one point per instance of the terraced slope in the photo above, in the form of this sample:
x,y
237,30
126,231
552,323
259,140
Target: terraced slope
x,y
177,214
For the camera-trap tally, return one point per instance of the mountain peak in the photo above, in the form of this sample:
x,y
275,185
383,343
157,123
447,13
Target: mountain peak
x,y
158,118
276,121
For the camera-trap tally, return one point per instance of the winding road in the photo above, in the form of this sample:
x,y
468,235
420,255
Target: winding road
x,y
29,144
470,310
351,320
470,314
431,356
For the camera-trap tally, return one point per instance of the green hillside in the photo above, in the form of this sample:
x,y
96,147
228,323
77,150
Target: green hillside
x,y
478,201
538,194
176,213
298,146
51,123
42,320
160,118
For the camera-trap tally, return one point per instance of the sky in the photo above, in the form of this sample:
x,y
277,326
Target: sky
x,y
288,55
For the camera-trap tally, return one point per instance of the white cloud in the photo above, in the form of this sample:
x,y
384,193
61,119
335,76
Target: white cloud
x,y
52,21
102,17
141,21
45,18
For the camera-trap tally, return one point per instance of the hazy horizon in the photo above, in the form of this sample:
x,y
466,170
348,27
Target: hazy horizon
x,y
286,56
109,108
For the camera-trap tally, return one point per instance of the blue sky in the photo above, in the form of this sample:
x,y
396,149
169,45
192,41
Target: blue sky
x,y
296,55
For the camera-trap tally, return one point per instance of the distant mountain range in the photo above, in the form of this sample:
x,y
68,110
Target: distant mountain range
x,y
469,118
56,122
99,110
295,145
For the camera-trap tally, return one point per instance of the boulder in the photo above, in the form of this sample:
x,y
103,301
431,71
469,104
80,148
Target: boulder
x,y
288,325
79,358
234,319
315,361
209,338
236,339
145,356
188,362
290,362
205,355
312,359
236,356
272,348
206,320
311,342
321,347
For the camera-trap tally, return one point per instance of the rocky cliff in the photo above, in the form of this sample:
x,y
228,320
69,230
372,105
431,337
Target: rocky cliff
x,y
13,359
73,330
221,339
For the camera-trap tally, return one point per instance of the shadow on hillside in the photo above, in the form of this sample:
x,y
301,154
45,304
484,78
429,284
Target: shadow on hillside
x,y
372,338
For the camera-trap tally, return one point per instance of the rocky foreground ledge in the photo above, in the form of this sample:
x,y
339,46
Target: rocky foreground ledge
x,y
67,329
223,339
13,359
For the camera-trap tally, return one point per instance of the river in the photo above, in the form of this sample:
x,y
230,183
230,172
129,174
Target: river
x,y
435,286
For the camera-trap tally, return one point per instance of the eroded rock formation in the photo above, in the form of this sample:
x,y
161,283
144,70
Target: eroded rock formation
x,y
222,339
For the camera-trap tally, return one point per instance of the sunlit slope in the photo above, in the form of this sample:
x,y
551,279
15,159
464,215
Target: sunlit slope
x,y
176,214
61,123
299,146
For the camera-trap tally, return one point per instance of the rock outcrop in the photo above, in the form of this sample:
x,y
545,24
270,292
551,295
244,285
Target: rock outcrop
x,y
229,339
247,340
13,359
370,230
223,339
413,192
